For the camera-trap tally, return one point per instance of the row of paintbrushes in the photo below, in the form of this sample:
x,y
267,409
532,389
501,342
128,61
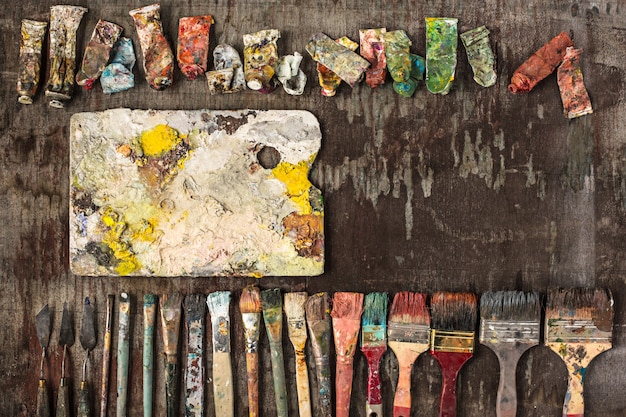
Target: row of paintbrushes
x,y
578,327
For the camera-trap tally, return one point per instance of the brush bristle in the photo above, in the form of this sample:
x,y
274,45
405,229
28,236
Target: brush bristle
x,y
510,306
167,301
454,311
409,308
218,303
578,302
347,305
250,301
294,304
194,306
271,299
375,309
318,307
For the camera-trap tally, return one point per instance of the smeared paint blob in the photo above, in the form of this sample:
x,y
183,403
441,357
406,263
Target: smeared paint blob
x,y
159,140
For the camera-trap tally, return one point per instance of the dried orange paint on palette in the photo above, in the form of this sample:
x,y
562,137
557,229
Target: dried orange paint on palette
x,y
193,45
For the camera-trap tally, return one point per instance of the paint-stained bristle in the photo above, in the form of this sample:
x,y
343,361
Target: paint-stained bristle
x,y
454,311
218,303
271,299
579,303
347,305
375,309
250,301
318,306
194,306
409,308
510,306
167,301
294,304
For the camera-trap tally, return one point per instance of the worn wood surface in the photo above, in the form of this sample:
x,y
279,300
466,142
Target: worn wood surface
x,y
477,190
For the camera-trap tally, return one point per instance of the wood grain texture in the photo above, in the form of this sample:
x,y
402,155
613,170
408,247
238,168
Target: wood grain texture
x,y
474,191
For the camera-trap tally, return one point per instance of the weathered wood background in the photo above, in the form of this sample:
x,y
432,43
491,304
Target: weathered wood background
x,y
477,190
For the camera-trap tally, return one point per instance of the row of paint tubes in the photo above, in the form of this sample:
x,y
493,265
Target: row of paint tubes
x,y
110,57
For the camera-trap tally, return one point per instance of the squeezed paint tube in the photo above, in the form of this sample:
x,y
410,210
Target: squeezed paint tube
x,y
373,49
228,75
405,68
97,53
158,58
480,55
260,55
118,75
416,74
64,22
574,95
28,74
348,65
441,43
193,45
328,80
290,75
540,65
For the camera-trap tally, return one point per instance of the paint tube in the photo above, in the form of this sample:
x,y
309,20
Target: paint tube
x,y
193,45
348,65
373,49
228,76
31,43
118,75
158,58
290,75
416,74
574,95
480,55
328,80
540,65
97,53
260,55
406,69
64,22
441,44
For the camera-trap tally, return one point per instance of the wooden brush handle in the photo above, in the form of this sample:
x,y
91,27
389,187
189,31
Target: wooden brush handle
x,y
223,384
43,402
302,382
324,385
373,406
252,368
402,398
278,373
574,405
84,409
63,400
343,384
171,387
506,400
451,363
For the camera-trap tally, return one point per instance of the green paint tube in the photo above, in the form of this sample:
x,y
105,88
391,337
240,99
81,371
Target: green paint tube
x,y
480,55
441,44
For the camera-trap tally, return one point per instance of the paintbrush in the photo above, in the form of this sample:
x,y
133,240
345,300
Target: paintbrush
x,y
346,317
272,306
579,324
452,341
123,349
106,356
88,342
296,327
42,325
250,307
149,317
373,346
509,325
194,371
170,307
409,325
318,321
219,303
66,339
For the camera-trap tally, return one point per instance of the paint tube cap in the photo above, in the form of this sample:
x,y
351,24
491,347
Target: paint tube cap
x,y
25,99
259,78
57,104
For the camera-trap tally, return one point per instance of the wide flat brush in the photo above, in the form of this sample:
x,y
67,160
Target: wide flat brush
x,y
195,310
170,308
510,324
123,354
219,306
346,317
373,346
579,324
452,337
250,307
296,328
409,325
318,321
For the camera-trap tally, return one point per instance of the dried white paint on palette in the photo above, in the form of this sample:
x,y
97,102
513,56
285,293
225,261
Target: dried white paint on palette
x,y
195,193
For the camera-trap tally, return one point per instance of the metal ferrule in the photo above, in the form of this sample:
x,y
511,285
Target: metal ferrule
x,y
451,341
411,333
504,331
575,331
373,336
251,331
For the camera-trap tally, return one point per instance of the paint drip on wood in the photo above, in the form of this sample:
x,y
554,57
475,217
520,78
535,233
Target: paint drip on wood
x,y
198,193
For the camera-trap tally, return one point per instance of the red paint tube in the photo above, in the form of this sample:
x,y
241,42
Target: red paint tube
x,y
574,95
33,33
540,65
97,53
193,45
373,49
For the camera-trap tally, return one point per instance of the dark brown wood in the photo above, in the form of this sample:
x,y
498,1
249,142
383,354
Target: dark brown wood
x,y
477,190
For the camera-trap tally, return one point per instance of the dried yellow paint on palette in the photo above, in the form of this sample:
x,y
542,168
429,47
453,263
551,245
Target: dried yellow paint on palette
x,y
183,193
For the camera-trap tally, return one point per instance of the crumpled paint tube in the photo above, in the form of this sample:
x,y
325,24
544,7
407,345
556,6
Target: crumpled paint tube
x,y
348,65
373,49
31,43
97,53
407,88
228,75
480,55
441,44
158,58
64,22
290,75
328,80
193,45
260,55
405,68
540,65
574,95
118,75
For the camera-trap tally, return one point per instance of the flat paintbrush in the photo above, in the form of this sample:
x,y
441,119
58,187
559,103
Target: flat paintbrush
x,y
170,307
296,327
250,307
452,337
219,306
318,321
409,324
373,346
195,310
149,318
579,324
346,316
509,325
